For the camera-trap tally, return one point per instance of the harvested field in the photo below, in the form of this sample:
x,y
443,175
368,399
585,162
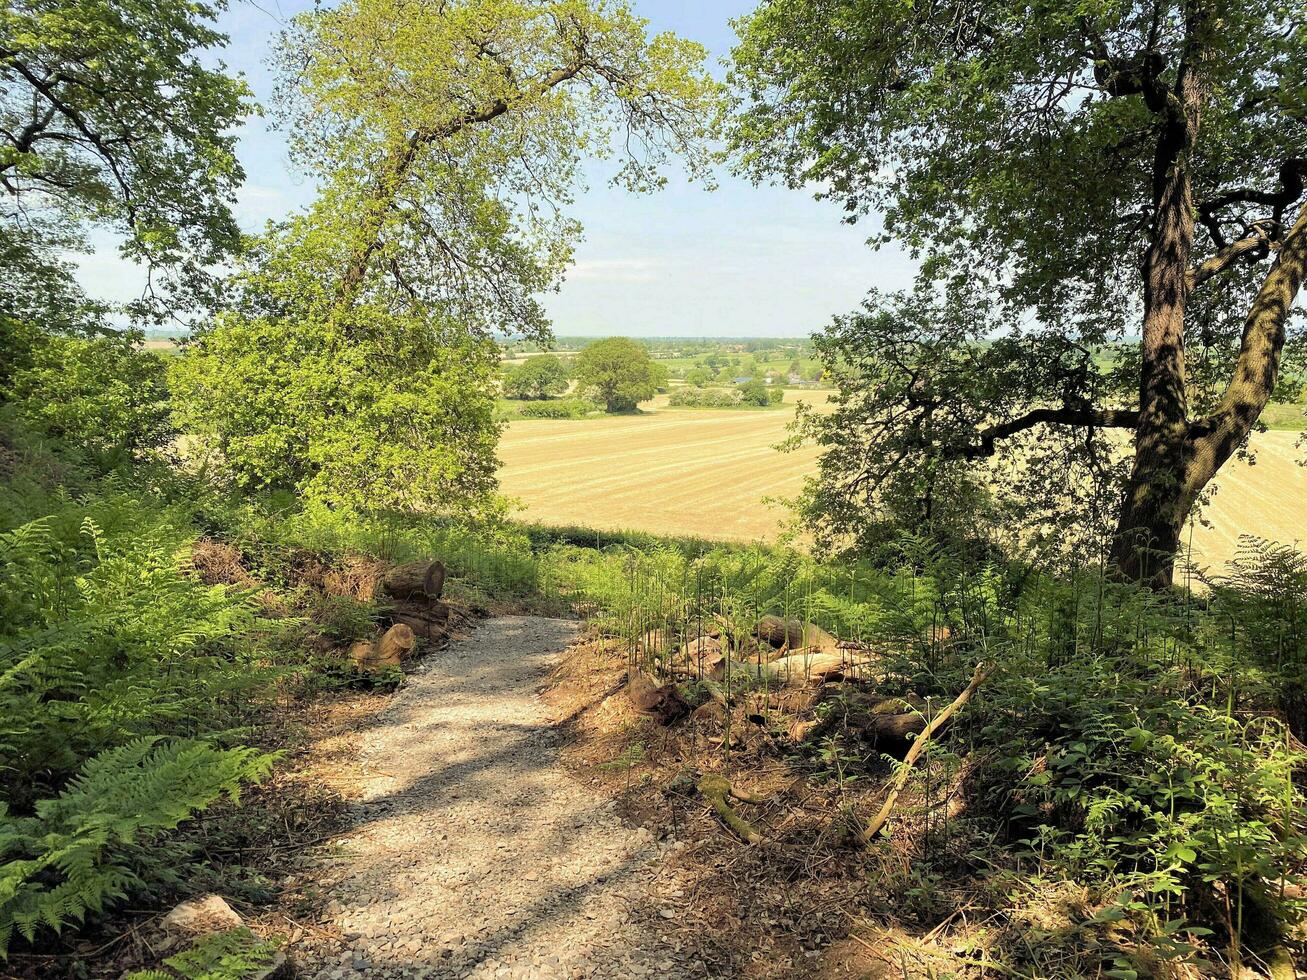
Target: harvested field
x,y
706,473
694,473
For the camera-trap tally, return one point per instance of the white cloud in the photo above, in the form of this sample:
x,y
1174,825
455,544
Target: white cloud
x,y
615,270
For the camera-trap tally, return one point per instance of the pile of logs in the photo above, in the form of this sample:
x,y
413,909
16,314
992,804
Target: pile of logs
x,y
416,611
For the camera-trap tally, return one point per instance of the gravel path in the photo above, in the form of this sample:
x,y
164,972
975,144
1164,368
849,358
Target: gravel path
x,y
475,854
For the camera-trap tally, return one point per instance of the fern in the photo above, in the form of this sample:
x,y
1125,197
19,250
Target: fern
x,y
231,955
81,850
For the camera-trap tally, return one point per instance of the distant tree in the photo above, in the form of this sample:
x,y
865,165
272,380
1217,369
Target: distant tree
x,y
619,372
754,392
541,376
1129,172
796,368
698,376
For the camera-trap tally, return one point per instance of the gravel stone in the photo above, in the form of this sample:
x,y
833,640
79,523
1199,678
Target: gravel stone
x,y
474,853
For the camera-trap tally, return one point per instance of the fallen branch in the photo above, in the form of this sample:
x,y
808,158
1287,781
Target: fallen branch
x,y
919,746
715,789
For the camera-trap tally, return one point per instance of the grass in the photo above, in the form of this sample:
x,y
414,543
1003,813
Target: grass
x,y
1285,418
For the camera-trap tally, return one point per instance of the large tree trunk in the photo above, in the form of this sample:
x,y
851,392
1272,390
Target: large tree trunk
x,y
1154,508
1157,503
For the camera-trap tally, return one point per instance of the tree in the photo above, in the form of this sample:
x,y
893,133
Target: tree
x,y
109,118
698,377
620,372
1032,156
357,364
100,394
754,392
540,376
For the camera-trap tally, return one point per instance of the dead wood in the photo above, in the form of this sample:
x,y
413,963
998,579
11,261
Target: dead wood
x,y
715,789
416,580
794,634
661,701
919,746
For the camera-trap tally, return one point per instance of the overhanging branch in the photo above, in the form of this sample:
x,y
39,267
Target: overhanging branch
x,y
1106,418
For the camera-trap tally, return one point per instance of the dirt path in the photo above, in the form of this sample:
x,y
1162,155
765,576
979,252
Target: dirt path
x,y
474,853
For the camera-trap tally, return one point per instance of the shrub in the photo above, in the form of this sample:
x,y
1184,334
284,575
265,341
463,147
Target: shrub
x,y
705,398
567,408
101,395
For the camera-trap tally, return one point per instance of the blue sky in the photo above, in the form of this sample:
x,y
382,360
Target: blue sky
x,y
740,260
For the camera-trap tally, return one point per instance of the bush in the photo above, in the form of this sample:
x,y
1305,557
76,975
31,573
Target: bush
x,y
102,395
705,398
567,408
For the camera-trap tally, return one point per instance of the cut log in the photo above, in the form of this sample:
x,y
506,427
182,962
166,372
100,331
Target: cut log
x,y
389,651
397,644
702,654
429,624
780,632
816,668
364,655
795,634
416,580
892,734
918,746
663,702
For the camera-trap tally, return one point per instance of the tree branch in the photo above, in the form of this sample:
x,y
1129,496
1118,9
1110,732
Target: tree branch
x,y
1293,181
1253,245
1107,418
1140,74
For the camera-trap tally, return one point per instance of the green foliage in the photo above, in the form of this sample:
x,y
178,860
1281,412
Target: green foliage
x,y
85,848
107,643
705,398
236,954
367,410
699,377
619,372
567,408
103,395
1030,234
754,392
448,140
106,638
109,116
541,376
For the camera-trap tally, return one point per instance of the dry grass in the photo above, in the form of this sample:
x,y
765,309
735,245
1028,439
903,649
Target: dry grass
x,y
698,473
706,473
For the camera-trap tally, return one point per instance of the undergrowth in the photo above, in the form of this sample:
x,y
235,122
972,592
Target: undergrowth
x,y
1138,751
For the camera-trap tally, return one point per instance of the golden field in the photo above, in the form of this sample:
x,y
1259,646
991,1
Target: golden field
x,y
706,473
